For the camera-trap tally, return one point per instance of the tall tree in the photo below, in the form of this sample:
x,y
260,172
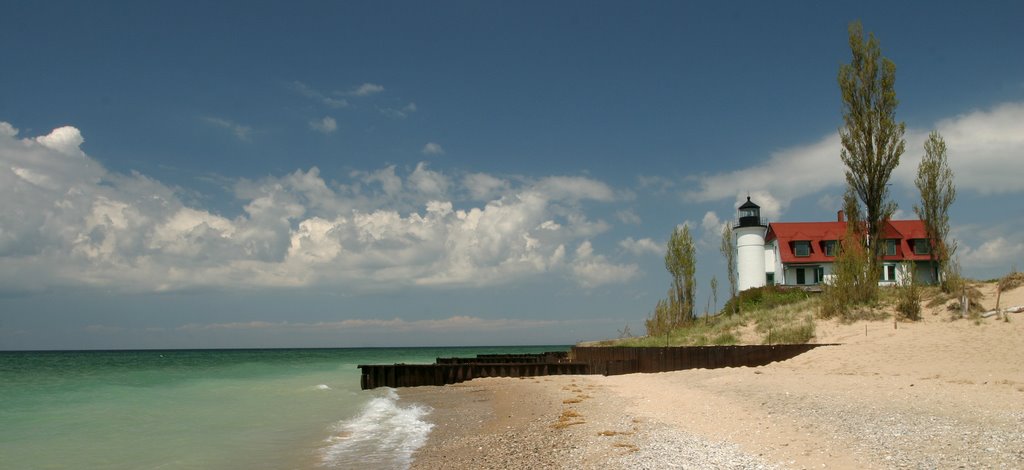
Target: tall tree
x,y
935,183
872,139
728,250
681,262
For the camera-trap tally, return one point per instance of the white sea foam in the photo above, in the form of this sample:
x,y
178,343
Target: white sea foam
x,y
382,435
323,387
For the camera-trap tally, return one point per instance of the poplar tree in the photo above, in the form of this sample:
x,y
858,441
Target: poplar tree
x,y
681,262
872,139
675,310
935,183
728,250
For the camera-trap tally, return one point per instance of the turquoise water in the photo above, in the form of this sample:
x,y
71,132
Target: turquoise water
x,y
277,408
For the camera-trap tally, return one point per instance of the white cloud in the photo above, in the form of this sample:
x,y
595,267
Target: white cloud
x,y
643,246
326,125
428,182
484,187
240,131
591,270
313,94
432,148
787,175
389,182
711,222
575,188
367,89
628,217
984,150
997,252
66,220
400,113
65,140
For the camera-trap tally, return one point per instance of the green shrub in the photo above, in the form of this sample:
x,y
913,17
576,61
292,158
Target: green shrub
x,y
766,297
908,298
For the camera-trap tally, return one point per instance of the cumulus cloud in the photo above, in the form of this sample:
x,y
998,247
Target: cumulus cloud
x,y
65,140
389,182
428,182
482,186
240,131
432,148
326,125
643,246
68,221
711,223
592,270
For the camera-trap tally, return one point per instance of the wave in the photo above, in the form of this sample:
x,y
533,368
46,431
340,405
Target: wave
x,y
382,435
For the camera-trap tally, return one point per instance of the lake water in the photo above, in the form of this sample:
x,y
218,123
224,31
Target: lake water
x,y
273,408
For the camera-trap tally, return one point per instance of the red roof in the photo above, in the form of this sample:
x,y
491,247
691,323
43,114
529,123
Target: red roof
x,y
819,232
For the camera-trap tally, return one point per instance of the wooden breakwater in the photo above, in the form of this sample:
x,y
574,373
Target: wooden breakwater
x,y
450,370
578,361
415,375
629,360
547,357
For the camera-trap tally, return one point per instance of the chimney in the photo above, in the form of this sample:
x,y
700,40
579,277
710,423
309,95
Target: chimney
x,y
840,216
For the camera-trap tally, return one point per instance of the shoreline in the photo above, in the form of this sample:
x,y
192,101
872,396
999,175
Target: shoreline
x,y
929,394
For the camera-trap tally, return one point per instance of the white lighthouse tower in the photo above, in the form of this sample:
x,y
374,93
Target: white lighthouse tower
x,y
750,230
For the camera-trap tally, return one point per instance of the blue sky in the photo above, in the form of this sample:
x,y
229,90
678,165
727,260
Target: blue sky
x,y
263,174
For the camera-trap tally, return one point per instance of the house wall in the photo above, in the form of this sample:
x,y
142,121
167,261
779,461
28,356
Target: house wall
x,y
925,273
773,261
790,274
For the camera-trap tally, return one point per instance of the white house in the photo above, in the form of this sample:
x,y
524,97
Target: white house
x,y
802,253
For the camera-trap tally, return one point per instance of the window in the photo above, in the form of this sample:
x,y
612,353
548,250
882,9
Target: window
x,y
890,247
888,272
829,247
769,279
802,249
800,278
921,247
819,274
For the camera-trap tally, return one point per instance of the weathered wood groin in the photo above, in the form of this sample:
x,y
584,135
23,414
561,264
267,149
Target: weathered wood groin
x,y
630,360
578,361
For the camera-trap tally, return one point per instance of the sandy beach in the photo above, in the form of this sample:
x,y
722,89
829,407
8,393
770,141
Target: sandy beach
x,y
938,393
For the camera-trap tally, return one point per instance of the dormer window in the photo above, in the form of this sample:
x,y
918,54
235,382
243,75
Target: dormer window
x,y
890,247
802,248
829,247
921,247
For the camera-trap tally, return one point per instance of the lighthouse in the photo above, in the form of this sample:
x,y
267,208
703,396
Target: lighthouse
x,y
750,230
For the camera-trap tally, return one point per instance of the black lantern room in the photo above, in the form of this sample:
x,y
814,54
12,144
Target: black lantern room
x,y
750,215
